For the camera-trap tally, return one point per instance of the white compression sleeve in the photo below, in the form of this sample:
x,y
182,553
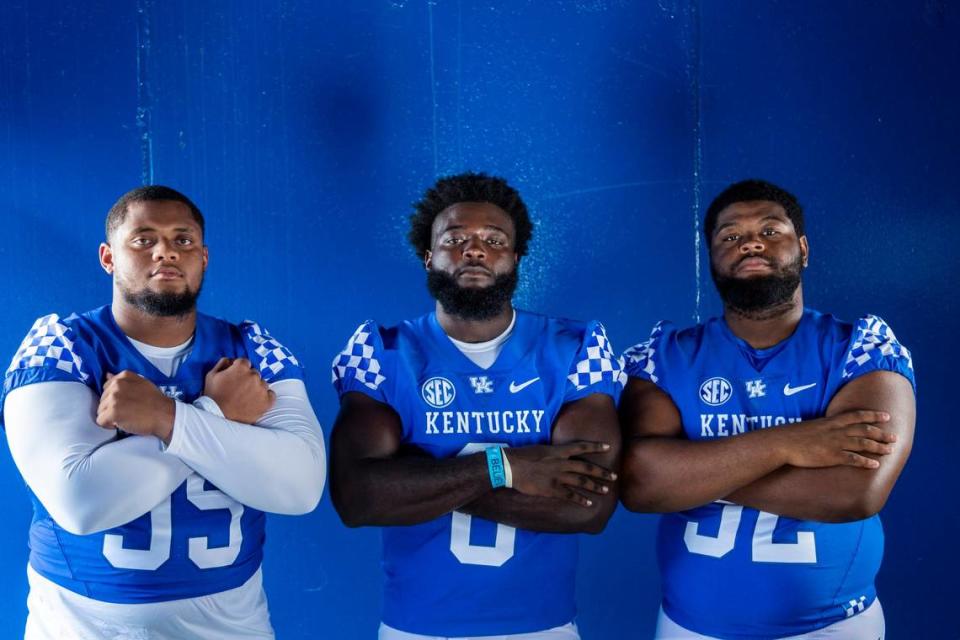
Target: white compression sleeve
x,y
87,478
277,465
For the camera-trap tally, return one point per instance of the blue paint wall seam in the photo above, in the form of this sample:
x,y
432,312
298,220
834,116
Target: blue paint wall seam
x,y
694,68
143,91
433,90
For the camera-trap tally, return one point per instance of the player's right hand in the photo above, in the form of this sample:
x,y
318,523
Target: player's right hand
x,y
238,390
841,439
551,471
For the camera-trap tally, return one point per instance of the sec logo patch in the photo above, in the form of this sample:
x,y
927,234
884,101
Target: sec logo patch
x,y
438,392
716,391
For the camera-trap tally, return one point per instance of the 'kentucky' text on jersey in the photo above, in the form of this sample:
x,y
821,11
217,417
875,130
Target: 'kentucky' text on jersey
x,y
729,571
460,575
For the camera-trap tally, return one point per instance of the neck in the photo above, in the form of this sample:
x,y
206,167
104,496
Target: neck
x,y
157,331
763,328
475,330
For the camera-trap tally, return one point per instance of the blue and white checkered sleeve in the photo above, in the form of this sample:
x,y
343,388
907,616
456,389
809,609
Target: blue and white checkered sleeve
x,y
50,352
596,368
874,347
359,367
273,360
641,360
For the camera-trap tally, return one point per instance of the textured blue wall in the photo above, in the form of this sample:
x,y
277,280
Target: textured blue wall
x,y
305,129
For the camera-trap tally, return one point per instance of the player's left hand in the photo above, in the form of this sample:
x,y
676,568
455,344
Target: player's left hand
x,y
134,404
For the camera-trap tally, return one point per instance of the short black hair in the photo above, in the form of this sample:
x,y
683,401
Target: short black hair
x,y
748,191
468,187
149,193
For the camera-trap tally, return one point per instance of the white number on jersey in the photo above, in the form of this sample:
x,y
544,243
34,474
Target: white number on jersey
x,y
161,534
764,549
460,546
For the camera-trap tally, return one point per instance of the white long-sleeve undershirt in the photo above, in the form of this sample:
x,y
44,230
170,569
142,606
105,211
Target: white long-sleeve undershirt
x,y
90,480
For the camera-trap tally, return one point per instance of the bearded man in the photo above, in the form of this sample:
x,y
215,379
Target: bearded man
x,y
480,436
769,438
152,439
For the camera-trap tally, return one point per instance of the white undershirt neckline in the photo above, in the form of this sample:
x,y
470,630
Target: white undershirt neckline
x,y
166,359
484,354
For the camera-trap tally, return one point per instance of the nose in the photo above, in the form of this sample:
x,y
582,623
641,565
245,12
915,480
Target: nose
x,y
751,244
165,250
474,248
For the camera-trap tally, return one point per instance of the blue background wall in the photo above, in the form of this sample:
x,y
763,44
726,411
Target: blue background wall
x,y
305,129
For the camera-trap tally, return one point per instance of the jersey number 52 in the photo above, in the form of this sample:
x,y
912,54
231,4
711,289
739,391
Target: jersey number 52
x,y
764,549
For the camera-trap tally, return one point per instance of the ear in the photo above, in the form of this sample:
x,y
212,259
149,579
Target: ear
x,y
804,251
106,257
206,257
427,259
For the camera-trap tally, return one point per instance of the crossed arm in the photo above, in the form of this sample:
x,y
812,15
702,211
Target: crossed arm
x,y
839,468
562,487
89,479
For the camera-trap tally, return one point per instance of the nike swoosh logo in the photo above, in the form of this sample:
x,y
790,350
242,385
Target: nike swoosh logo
x,y
789,391
514,387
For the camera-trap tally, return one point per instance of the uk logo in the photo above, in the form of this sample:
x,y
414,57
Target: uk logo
x,y
171,392
756,388
481,384
716,391
438,392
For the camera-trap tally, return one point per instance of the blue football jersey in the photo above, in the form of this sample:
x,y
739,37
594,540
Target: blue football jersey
x,y
198,541
460,575
730,571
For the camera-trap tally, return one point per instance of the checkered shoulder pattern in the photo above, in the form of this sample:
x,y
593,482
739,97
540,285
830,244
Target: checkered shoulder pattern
x,y
596,361
358,360
873,340
50,343
639,358
271,356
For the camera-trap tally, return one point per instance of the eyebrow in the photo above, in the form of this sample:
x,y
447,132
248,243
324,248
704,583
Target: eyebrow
x,y
463,226
177,229
774,217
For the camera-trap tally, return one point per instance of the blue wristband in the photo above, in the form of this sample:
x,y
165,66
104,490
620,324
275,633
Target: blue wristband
x,y
498,477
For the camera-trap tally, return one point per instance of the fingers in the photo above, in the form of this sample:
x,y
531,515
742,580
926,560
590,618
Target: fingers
x,y
852,459
873,433
222,364
871,446
862,417
581,448
584,468
241,363
584,483
576,498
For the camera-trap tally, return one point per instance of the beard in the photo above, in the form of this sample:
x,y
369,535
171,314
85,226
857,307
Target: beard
x,y
753,297
161,304
472,303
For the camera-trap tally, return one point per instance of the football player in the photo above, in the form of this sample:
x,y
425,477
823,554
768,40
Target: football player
x,y
152,439
479,435
769,438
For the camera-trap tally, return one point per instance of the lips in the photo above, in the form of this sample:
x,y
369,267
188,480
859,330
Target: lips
x,y
753,263
167,273
474,271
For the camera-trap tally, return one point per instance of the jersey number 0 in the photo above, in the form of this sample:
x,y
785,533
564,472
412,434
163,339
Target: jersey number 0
x,y
460,546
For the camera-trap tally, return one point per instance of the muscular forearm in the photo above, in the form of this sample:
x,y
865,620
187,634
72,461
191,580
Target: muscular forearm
x,y
85,477
669,474
277,465
405,489
549,515
834,494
